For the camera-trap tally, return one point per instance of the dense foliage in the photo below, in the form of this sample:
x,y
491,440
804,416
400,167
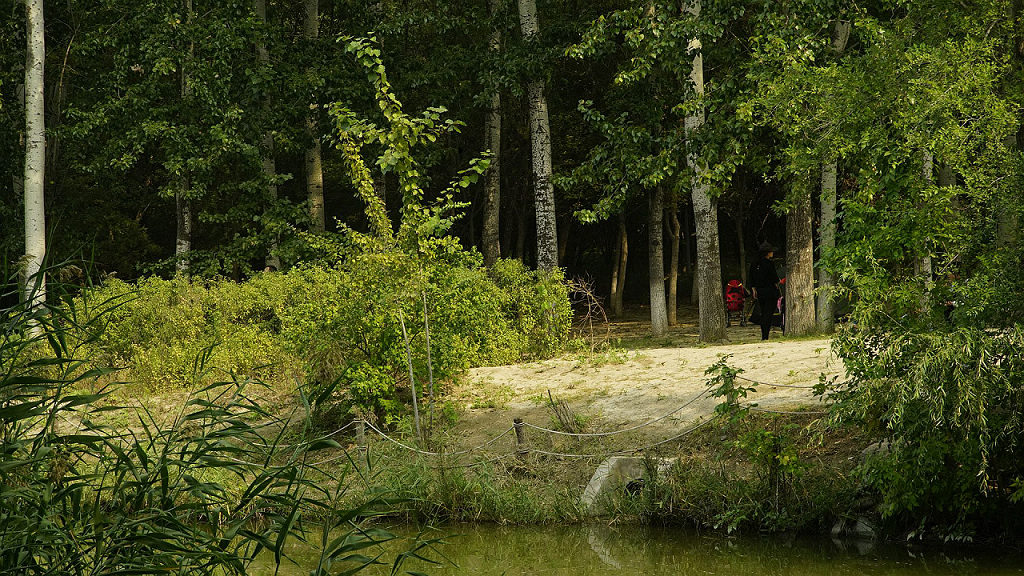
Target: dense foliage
x,y
337,329
90,487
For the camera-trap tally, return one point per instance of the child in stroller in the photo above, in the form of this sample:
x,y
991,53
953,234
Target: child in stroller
x,y
735,302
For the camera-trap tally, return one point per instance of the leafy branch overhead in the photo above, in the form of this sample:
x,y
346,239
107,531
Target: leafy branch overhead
x,y
399,136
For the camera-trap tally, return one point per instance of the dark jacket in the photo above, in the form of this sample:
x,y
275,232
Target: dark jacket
x,y
764,279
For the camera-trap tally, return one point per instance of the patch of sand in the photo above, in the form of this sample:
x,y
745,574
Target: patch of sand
x,y
616,391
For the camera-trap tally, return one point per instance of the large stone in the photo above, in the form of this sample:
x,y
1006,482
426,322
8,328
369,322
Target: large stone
x,y
614,474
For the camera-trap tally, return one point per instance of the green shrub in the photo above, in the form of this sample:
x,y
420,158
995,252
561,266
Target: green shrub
x,y
339,328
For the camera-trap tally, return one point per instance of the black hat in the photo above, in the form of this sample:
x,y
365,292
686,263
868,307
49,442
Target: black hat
x,y
766,247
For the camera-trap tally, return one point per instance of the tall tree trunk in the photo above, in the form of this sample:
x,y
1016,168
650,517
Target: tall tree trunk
x,y
1007,221
799,288
182,198
314,161
619,268
828,201
691,264
673,265
492,142
35,155
540,145
923,258
521,236
656,268
741,241
827,243
269,166
705,212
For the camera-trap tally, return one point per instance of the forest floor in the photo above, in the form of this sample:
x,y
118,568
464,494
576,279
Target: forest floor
x,y
631,379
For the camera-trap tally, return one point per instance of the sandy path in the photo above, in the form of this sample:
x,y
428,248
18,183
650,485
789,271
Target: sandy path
x,y
620,390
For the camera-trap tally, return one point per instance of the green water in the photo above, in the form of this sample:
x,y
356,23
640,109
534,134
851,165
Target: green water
x,y
597,550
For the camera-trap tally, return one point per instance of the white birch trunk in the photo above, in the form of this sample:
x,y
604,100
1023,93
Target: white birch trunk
x,y
800,266
314,161
705,213
492,142
35,156
656,268
540,140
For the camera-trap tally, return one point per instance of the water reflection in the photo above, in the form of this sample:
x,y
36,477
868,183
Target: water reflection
x,y
565,551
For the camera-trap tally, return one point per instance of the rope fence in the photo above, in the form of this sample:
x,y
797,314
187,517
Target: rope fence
x,y
520,447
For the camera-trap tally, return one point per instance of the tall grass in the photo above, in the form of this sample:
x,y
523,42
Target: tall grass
x,y
204,490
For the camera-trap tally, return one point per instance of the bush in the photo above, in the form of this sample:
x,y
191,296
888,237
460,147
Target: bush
x,y
342,325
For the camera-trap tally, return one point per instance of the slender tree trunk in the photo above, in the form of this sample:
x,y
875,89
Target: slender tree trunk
x,y
619,269
269,166
655,243
314,161
705,213
540,145
742,241
35,155
828,201
182,198
923,259
800,265
827,243
1007,221
521,236
492,138
691,264
673,265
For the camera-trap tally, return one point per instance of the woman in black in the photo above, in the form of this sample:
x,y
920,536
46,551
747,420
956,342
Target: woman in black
x,y
764,284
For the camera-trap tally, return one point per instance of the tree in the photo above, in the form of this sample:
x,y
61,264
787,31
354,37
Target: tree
x,y
182,196
828,200
705,209
314,158
35,154
540,148
269,165
492,142
656,257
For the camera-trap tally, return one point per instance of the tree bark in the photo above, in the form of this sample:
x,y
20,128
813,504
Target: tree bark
x,y
828,201
705,213
314,160
742,241
619,268
691,265
673,265
269,166
656,268
492,142
563,240
35,155
799,290
923,259
182,199
827,243
540,145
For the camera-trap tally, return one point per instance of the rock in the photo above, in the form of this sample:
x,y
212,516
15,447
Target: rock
x,y
857,528
615,474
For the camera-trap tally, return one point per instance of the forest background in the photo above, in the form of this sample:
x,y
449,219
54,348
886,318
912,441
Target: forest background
x,y
878,142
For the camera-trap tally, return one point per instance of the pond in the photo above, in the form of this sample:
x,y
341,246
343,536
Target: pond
x,y
599,549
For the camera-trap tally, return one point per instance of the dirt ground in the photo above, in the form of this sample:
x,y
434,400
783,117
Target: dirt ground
x,y
634,379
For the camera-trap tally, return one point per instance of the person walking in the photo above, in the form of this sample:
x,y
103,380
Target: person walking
x,y
764,286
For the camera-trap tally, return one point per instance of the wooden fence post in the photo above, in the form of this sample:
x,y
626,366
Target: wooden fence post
x,y
520,428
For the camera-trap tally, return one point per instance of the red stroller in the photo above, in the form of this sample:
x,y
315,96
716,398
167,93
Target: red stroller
x,y
735,300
